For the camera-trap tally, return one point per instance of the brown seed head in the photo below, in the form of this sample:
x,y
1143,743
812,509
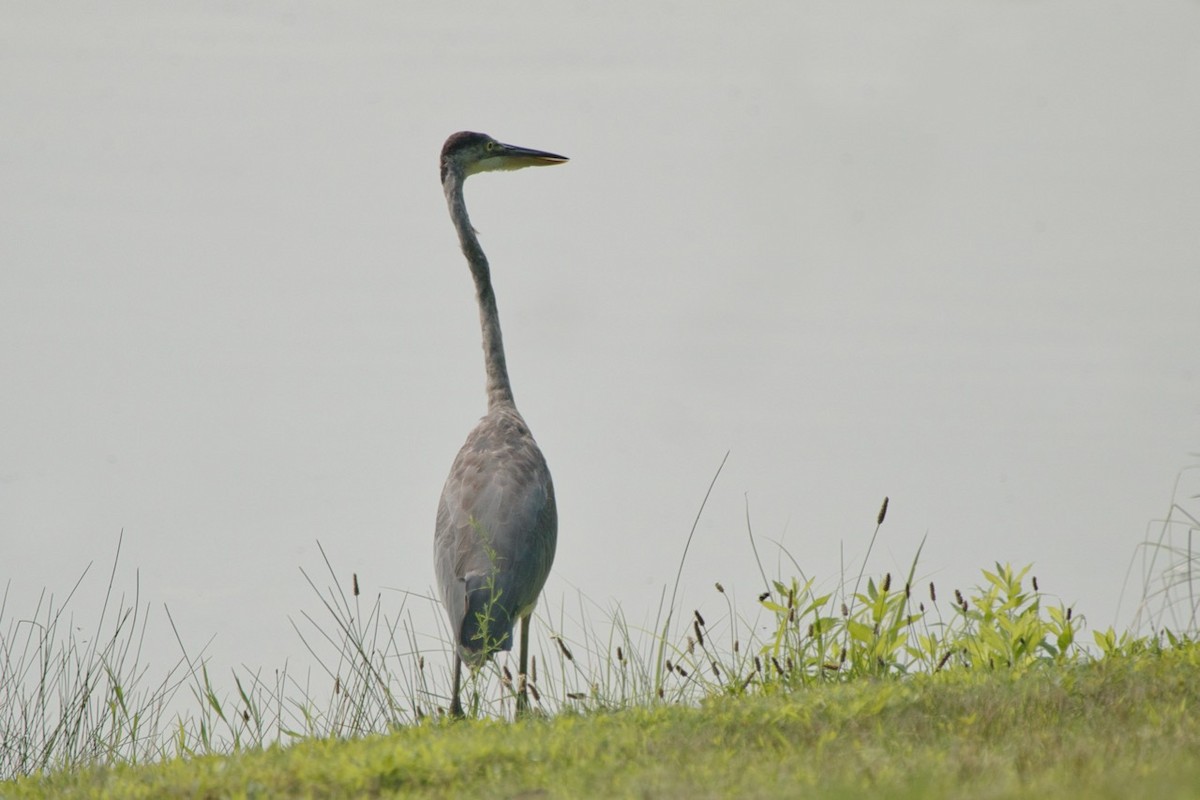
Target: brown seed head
x,y
566,651
882,512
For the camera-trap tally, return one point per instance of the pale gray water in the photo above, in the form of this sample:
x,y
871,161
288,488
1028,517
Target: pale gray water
x,y
940,251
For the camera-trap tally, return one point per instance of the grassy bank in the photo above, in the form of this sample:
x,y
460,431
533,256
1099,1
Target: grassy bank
x,y
1124,726
829,688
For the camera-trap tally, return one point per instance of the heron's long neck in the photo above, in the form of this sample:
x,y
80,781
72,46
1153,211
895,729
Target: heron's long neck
x,y
499,391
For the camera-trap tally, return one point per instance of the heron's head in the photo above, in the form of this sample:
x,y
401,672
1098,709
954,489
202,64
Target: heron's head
x,y
466,153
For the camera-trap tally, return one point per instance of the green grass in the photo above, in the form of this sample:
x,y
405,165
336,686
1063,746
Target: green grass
x,y
1125,726
881,683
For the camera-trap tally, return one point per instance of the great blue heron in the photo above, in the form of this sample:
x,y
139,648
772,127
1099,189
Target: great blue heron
x,y
496,524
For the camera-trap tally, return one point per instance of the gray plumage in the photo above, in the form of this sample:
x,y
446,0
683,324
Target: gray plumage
x,y
496,523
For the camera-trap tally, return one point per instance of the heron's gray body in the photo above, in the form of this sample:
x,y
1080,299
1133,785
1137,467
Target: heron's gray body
x,y
496,532
497,524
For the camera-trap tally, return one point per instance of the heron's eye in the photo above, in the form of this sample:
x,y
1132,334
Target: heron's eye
x,y
490,146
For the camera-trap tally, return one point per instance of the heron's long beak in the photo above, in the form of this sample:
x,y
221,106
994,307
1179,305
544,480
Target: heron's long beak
x,y
525,157
509,156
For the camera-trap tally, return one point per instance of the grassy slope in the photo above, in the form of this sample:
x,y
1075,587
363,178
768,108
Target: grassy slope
x,y
1123,727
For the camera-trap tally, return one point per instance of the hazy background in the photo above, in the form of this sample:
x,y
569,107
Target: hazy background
x,y
942,251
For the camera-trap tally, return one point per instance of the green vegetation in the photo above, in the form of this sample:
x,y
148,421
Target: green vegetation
x,y
1125,726
878,684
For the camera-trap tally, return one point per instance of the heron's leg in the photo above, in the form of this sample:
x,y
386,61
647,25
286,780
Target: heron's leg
x,y
455,704
523,675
